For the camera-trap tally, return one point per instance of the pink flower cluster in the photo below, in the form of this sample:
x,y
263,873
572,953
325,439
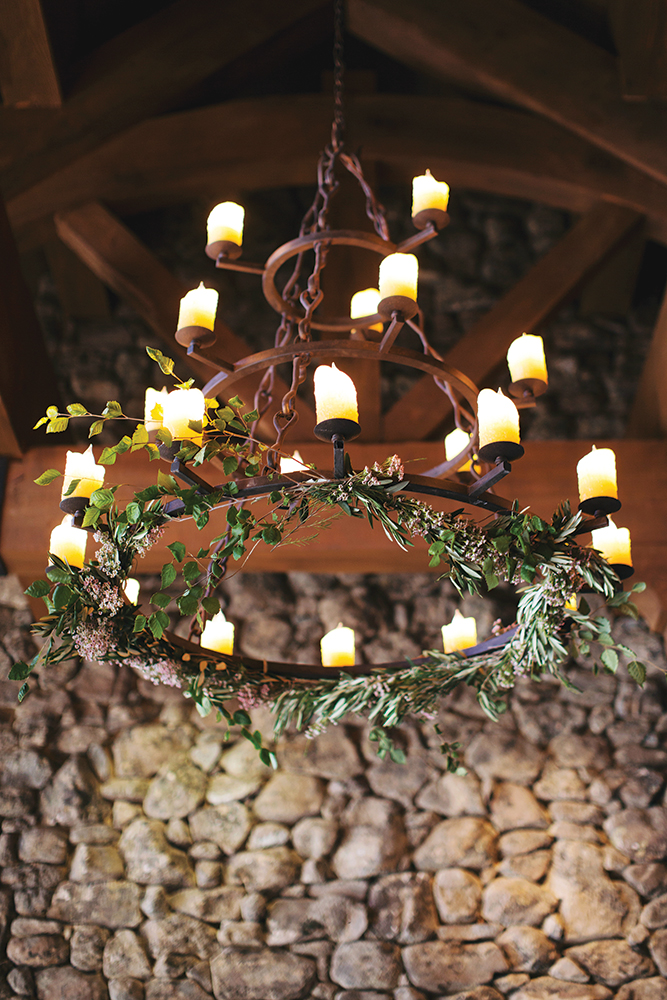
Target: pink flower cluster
x,y
93,638
157,672
105,596
252,697
107,554
153,536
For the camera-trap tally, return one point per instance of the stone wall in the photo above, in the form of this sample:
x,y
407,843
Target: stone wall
x,y
143,858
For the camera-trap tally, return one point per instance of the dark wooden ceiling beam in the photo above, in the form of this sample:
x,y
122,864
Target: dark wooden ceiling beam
x,y
274,141
648,418
522,57
639,28
528,304
144,70
126,266
27,378
28,76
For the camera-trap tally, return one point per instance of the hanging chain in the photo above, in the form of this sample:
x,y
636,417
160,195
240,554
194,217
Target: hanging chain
x,y
338,124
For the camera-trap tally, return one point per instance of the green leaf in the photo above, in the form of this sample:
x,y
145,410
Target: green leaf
x,y
133,513
610,659
57,425
637,671
139,623
241,718
91,516
23,690
20,671
177,550
190,572
268,758
71,487
638,588
230,465
95,428
491,580
102,498
140,436
108,457
58,575
40,423
164,436
112,409
161,600
166,364
271,535
211,605
166,481
61,596
168,575
40,588
77,410
123,445
47,477
397,755
187,604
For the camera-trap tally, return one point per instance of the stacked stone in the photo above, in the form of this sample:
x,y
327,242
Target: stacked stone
x,y
143,858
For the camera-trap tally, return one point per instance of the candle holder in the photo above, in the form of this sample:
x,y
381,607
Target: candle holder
x,y
223,250
600,505
338,430
498,451
195,336
74,505
431,216
527,388
400,307
622,570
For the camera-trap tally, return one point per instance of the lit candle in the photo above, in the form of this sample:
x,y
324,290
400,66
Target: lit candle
x,y
399,273
365,303
596,473
335,395
69,543
613,544
225,222
179,408
218,634
153,408
81,465
497,418
293,464
337,647
461,633
525,358
428,193
198,308
455,442
131,589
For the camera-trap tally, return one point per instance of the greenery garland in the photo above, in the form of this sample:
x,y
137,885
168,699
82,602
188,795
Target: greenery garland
x,y
88,615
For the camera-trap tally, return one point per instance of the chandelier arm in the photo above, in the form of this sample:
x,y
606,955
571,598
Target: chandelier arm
x,y
417,239
374,210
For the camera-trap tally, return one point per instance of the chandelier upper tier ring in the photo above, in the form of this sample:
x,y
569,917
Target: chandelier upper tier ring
x,y
330,237
324,349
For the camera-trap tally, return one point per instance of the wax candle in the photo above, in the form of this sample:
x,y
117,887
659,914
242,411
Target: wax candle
x,y
461,633
81,465
337,647
428,193
198,308
153,408
293,464
69,543
365,303
179,408
335,395
596,473
399,273
497,418
455,442
218,634
525,358
225,222
613,544
131,589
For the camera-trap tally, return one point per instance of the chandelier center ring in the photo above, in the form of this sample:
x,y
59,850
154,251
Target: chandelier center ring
x,y
331,237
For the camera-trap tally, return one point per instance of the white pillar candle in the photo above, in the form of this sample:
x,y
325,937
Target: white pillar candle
x,y
525,358
131,589
293,464
198,308
365,303
497,418
335,395
613,544
225,222
337,647
81,465
69,543
179,408
399,274
428,193
153,408
461,633
218,634
596,473
455,442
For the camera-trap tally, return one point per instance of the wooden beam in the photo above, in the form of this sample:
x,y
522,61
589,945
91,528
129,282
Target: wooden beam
x,y
28,76
545,476
144,70
123,263
523,308
610,290
639,28
27,378
82,295
522,57
272,142
648,418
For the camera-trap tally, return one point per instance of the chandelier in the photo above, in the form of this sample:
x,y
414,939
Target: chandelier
x,y
92,608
